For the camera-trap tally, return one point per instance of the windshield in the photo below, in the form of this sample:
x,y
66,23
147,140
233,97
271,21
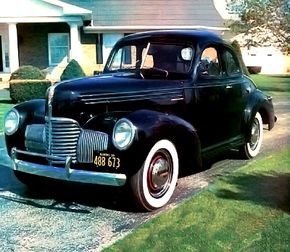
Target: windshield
x,y
170,58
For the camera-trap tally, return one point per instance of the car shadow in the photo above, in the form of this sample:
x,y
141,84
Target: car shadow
x,y
79,197
268,189
212,158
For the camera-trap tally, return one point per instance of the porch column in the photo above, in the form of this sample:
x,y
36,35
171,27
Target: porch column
x,y
13,47
75,44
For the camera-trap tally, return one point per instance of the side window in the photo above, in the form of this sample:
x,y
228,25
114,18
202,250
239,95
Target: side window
x,y
209,64
232,67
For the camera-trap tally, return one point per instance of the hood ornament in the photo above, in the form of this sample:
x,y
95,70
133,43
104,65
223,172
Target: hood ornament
x,y
50,94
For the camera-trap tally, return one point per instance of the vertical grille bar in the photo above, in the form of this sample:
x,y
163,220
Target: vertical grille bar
x,y
89,142
62,136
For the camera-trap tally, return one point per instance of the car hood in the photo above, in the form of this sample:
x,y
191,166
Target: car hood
x,y
115,91
106,85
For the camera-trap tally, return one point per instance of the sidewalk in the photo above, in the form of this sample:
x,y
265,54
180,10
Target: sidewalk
x,y
4,84
4,91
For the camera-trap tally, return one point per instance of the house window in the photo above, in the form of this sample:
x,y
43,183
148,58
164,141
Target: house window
x,y
58,48
109,40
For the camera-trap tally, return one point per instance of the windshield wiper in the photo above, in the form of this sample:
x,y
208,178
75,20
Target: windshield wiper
x,y
146,53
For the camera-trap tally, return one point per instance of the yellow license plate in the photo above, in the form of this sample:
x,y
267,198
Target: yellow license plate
x,y
107,160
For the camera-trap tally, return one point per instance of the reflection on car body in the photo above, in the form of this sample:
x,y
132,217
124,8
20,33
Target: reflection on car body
x,y
165,99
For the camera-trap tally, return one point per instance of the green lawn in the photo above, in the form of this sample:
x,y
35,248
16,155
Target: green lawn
x,y
278,85
245,211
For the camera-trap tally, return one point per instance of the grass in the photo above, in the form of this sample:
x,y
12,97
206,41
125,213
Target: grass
x,y
278,85
245,211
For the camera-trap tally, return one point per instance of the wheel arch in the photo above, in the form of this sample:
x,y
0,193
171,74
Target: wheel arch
x,y
259,103
32,111
152,126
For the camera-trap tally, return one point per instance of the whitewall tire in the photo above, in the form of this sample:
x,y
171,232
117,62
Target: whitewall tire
x,y
154,184
252,148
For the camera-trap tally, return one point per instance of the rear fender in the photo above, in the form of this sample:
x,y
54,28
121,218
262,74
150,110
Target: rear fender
x,y
262,104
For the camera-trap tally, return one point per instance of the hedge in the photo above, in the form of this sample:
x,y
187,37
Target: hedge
x,y
72,70
27,73
24,90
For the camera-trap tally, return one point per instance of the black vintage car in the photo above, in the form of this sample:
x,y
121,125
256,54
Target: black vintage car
x,y
165,99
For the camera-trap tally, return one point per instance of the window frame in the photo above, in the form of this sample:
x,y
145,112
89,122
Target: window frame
x,y
50,35
220,62
224,65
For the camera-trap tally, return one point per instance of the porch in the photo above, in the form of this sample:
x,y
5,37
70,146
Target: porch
x,y
45,34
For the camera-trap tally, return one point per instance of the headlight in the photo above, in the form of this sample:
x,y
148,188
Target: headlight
x,y
123,134
11,122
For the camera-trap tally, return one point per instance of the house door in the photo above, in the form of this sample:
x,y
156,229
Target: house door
x,y
1,56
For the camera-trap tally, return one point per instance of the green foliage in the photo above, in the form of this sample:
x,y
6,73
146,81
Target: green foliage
x,y
24,90
27,73
237,49
72,70
265,21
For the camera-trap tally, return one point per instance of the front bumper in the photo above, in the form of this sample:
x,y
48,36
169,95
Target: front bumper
x,y
66,173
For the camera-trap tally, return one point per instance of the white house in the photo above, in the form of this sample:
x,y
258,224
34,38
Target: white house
x,y
268,56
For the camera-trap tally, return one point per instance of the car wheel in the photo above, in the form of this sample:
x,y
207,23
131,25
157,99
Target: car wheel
x,y
253,146
154,184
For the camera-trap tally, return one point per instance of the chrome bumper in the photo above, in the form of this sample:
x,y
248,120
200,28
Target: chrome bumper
x,y
66,173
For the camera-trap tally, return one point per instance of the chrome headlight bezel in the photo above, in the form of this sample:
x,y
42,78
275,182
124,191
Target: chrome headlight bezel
x,y
11,122
123,134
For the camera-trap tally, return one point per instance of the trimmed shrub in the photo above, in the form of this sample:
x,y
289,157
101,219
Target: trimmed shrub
x,y
72,70
236,46
25,90
27,73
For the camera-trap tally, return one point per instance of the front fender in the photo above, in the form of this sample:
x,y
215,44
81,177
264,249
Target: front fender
x,y
152,126
30,112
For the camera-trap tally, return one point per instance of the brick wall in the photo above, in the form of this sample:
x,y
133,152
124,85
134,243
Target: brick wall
x,y
89,63
33,42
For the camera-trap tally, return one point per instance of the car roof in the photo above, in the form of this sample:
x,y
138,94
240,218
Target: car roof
x,y
183,35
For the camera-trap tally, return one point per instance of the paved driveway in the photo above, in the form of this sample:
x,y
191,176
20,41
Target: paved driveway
x,y
87,218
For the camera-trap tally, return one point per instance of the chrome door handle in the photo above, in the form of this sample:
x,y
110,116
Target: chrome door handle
x,y
229,86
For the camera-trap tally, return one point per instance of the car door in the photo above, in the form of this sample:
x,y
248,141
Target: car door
x,y
217,99
235,95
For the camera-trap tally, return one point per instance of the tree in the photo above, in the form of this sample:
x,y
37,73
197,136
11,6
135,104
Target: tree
x,y
263,22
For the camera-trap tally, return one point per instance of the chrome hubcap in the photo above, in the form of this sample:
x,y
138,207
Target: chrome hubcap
x,y
160,173
255,135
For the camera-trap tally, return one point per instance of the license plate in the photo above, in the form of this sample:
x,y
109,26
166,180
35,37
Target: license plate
x,y
107,160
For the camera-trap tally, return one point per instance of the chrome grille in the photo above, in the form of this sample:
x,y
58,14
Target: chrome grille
x,y
89,142
62,136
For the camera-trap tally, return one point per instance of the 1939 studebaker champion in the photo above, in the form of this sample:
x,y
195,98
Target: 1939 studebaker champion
x,y
165,99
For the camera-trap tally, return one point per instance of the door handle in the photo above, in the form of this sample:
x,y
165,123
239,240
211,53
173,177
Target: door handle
x,y
229,86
